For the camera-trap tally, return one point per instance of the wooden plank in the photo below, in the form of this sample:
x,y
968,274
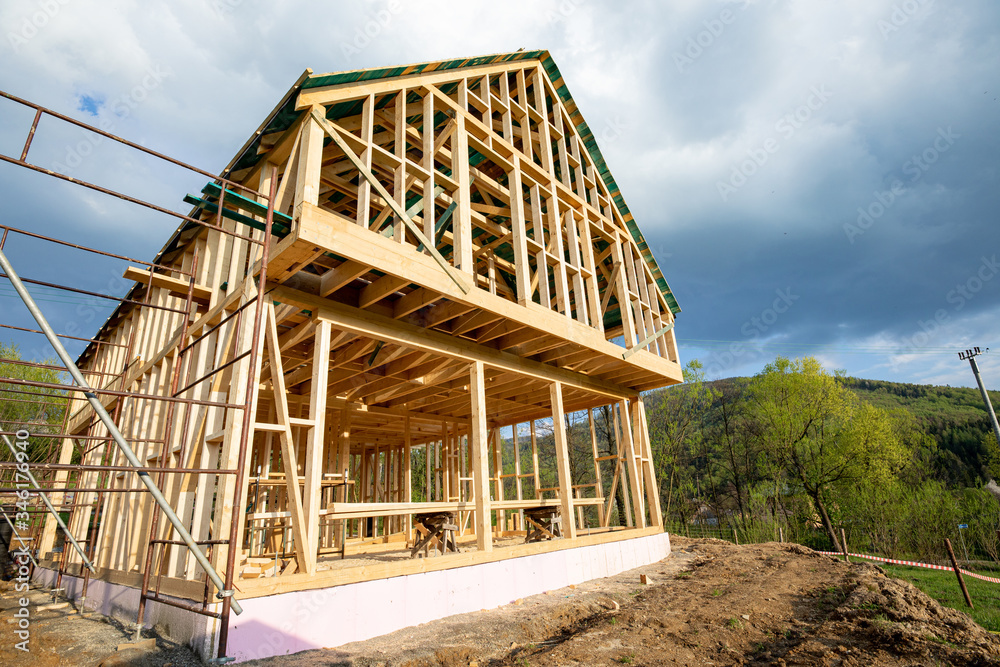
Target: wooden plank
x,y
370,179
309,165
562,461
303,549
642,437
380,289
335,278
313,472
386,329
318,227
176,286
638,506
462,220
521,264
478,443
255,588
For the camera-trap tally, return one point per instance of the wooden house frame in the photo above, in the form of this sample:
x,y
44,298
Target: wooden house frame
x,y
449,261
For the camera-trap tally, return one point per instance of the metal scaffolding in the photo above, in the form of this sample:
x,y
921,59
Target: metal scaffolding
x,y
64,467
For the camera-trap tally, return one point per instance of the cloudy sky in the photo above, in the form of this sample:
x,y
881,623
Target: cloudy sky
x,y
814,176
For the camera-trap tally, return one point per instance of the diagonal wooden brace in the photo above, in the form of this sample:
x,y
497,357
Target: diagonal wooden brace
x,y
329,128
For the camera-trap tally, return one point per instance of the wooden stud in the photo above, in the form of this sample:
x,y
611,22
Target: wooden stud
x,y
562,460
480,462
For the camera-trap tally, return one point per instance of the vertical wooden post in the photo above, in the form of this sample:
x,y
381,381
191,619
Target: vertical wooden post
x,y
622,465
517,221
462,220
429,214
407,474
621,288
480,460
428,471
364,186
310,163
638,507
49,530
641,429
517,476
534,459
843,543
958,573
599,489
399,180
316,433
562,461
498,468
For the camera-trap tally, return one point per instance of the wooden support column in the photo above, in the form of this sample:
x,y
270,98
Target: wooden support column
x,y
462,220
407,473
619,471
642,440
429,213
498,469
534,460
364,185
229,456
49,530
599,489
313,471
517,476
638,506
480,460
562,461
518,227
304,551
310,163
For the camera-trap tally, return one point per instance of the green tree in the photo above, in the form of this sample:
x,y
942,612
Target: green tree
x,y
39,410
675,419
821,434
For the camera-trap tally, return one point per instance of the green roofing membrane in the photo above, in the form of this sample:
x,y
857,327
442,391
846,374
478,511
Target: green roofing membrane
x,y
286,115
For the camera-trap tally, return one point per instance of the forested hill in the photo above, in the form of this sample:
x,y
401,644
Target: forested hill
x,y
954,416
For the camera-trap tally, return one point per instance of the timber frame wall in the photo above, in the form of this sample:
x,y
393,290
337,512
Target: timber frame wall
x,y
449,261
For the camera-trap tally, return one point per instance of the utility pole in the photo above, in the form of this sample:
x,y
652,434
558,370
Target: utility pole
x,y
971,356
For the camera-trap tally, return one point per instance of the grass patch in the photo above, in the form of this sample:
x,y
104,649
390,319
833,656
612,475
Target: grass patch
x,y
943,587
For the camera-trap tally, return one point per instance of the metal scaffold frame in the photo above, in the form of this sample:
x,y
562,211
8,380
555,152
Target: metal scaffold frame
x,y
63,479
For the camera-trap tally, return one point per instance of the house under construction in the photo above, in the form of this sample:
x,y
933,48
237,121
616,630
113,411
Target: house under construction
x,y
344,369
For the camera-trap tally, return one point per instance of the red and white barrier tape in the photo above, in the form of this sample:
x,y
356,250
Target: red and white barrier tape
x,y
911,563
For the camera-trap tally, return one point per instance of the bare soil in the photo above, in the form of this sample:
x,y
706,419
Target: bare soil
x,y
709,603
61,637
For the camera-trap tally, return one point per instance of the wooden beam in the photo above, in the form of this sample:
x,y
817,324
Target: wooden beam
x,y
478,442
631,468
303,549
386,329
316,434
176,286
562,462
370,178
310,164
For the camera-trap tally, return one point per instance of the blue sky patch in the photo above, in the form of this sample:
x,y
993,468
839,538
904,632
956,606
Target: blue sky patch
x,y
90,104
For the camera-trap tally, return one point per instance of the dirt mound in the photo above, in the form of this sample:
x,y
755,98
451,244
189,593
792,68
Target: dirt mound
x,y
774,604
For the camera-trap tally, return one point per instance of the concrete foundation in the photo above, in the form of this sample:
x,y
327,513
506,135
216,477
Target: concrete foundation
x,y
330,617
